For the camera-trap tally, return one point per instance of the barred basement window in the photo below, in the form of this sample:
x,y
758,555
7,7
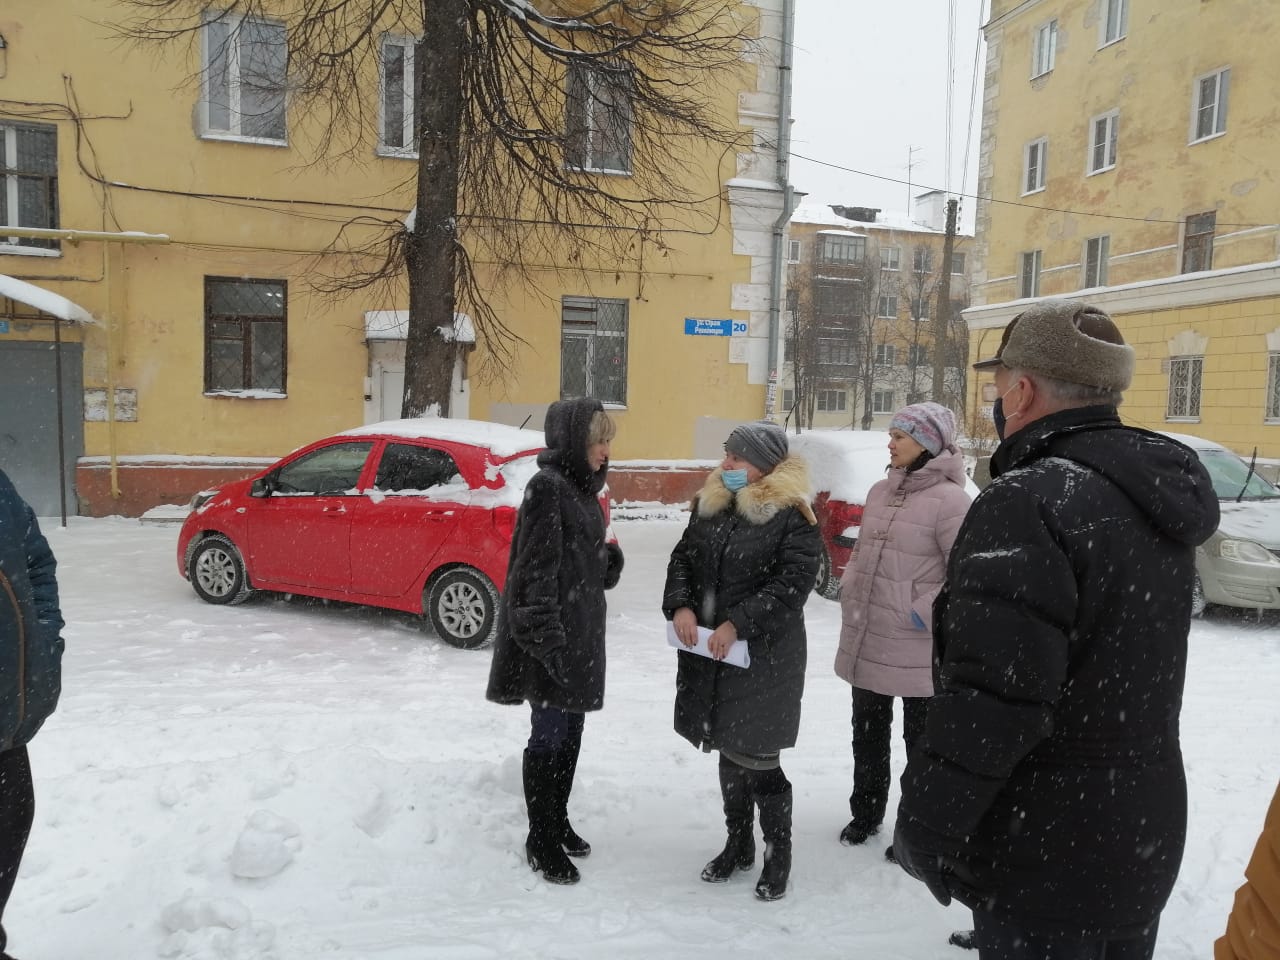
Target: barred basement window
x,y
28,181
1273,387
1184,388
244,335
593,349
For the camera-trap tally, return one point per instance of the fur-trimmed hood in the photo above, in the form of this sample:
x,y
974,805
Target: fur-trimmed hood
x,y
760,502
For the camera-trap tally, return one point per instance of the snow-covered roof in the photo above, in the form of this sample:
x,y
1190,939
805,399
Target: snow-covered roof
x,y
814,212
394,325
46,301
841,233
502,439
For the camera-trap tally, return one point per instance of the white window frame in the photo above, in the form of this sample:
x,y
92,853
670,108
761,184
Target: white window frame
x,y
208,131
887,306
917,355
1113,22
882,401
408,45
1271,413
886,355
794,250
592,132
1192,369
891,258
1110,122
832,401
839,248
1044,48
1097,253
1034,155
1215,110
1029,265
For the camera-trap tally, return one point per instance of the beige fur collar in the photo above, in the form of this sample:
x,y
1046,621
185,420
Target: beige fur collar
x,y
759,502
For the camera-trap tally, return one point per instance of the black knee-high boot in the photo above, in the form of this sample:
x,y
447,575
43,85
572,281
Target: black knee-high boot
x,y
542,797
739,851
573,844
775,801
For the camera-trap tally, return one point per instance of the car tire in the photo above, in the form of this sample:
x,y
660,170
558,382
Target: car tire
x,y
1198,602
462,606
825,585
216,571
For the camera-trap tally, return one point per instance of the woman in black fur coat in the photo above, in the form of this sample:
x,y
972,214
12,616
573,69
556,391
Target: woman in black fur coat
x,y
549,649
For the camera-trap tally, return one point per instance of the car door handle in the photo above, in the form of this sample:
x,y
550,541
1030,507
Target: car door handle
x,y
335,511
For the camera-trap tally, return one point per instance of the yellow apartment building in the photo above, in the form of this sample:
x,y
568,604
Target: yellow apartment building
x,y
862,294
173,231
1127,157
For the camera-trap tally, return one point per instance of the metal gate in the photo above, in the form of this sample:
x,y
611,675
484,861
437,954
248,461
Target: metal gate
x,y
29,421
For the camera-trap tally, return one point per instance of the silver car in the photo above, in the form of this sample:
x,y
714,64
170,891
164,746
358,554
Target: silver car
x,y
1239,566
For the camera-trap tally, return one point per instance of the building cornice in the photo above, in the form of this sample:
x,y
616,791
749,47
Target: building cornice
x,y
1167,293
1017,11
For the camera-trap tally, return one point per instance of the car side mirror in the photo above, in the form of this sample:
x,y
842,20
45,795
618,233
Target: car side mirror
x,y
263,487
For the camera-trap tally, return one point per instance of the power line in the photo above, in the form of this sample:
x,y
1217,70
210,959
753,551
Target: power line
x,y
1014,203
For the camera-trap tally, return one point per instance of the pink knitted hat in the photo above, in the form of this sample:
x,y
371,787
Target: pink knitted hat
x,y
929,424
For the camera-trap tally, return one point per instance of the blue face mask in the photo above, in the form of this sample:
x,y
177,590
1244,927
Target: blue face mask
x,y
735,480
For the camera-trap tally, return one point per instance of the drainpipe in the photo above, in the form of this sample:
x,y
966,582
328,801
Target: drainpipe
x,y
783,176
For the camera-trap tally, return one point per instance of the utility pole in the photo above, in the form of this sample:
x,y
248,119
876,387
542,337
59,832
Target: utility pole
x,y
911,152
942,312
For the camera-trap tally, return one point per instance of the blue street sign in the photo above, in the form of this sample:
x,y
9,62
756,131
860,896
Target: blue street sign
x,y
4,326
704,327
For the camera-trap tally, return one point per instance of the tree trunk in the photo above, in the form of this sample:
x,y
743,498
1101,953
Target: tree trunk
x,y
431,247
942,318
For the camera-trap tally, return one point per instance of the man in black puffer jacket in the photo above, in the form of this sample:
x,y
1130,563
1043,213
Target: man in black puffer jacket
x,y
30,670
1047,792
549,650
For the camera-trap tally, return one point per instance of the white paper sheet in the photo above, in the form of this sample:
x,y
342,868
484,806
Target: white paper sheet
x,y
737,655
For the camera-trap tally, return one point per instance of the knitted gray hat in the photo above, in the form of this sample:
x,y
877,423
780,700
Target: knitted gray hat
x,y
1067,340
762,444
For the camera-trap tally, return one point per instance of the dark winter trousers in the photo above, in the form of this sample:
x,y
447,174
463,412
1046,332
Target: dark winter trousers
x,y
872,732
1002,939
17,810
551,729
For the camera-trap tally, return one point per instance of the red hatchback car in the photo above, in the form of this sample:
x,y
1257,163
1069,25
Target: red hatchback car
x,y
413,515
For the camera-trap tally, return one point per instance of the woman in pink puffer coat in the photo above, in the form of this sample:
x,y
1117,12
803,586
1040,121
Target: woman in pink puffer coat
x,y
886,597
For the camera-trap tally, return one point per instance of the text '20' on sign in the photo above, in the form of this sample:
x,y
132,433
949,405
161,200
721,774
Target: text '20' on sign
x,y
706,327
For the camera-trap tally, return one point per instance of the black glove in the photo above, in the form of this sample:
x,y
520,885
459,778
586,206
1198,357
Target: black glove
x,y
613,565
918,851
553,663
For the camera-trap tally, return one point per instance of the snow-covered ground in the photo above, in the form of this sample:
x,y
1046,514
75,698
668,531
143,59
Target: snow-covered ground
x,y
293,781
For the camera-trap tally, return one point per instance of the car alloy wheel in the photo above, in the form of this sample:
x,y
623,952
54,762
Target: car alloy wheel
x,y
463,606
825,585
217,572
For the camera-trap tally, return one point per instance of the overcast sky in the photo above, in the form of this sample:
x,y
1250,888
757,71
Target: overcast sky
x,y
871,82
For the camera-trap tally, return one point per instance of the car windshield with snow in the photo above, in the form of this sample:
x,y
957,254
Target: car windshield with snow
x,y
411,515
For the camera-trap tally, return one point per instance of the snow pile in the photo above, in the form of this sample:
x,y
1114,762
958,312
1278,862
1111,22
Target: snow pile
x,y
297,780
